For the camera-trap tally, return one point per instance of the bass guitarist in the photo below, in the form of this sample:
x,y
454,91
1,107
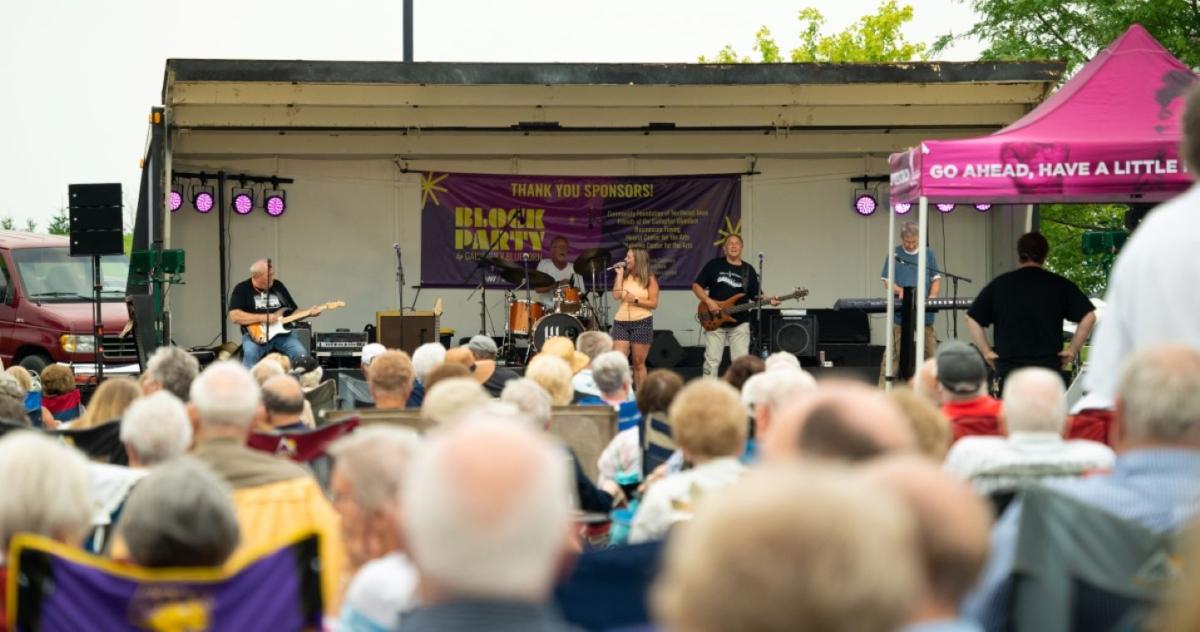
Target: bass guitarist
x,y
719,280
262,300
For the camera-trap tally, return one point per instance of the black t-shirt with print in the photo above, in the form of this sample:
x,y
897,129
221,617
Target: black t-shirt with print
x,y
723,280
248,299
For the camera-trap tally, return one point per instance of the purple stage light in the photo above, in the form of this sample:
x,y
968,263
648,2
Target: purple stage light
x,y
945,207
275,203
176,200
203,201
243,203
983,207
902,207
865,204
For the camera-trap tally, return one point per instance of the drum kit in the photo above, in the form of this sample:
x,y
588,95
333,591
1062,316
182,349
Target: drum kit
x,y
572,310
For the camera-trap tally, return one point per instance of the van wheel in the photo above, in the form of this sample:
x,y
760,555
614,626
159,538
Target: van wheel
x,y
35,363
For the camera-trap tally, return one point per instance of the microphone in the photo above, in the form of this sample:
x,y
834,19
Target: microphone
x,y
525,256
616,266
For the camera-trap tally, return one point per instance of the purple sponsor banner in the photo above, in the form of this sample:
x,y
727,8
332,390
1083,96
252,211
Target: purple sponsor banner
x,y
681,220
67,591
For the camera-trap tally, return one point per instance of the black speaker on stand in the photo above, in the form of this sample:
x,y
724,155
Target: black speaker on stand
x,y
96,231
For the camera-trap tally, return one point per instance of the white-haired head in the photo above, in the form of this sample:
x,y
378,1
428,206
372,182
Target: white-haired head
x,y
610,370
1159,397
155,428
46,489
171,368
225,397
1034,401
486,507
530,398
782,360
426,357
448,400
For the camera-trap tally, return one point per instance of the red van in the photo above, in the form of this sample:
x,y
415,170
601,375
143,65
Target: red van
x,y
46,314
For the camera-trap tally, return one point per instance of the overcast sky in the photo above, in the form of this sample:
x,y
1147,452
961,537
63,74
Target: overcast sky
x,y
80,77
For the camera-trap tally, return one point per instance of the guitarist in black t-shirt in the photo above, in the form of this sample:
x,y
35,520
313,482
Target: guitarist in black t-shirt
x,y
722,279
260,301
1026,308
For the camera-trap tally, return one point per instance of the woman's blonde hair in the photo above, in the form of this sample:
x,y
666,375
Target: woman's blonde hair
x,y
641,266
109,402
23,377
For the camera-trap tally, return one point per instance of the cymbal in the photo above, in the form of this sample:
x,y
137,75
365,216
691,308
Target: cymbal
x,y
537,278
497,262
592,260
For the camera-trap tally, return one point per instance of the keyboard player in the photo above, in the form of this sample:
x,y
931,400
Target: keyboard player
x,y
906,276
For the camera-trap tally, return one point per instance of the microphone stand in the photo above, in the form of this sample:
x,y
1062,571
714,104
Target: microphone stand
x,y
400,291
267,301
763,343
528,308
483,315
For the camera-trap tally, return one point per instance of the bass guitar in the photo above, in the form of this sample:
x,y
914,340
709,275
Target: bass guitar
x,y
712,320
261,334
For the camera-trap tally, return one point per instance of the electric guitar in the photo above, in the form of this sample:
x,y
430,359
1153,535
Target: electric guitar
x,y
278,327
711,321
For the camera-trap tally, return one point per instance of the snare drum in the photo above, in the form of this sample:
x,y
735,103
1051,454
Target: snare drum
x,y
566,300
552,325
522,315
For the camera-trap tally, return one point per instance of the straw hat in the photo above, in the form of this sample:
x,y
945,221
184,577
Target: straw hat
x,y
562,347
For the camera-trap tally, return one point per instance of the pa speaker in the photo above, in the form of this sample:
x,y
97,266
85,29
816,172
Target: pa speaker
x,y
794,334
665,351
95,219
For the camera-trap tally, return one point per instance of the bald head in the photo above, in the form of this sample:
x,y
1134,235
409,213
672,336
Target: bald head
x,y
283,400
953,524
840,420
486,511
1034,401
258,269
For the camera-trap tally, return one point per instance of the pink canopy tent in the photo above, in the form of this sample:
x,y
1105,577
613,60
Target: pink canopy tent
x,y
1110,134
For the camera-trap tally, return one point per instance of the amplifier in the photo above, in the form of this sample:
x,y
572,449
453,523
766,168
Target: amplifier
x,y
339,343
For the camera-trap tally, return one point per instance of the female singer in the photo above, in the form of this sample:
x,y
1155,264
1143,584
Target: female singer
x,y
633,326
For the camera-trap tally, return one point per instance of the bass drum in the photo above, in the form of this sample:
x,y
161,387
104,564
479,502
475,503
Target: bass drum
x,y
553,325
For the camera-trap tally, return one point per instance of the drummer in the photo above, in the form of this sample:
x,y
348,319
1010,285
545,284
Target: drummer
x,y
557,267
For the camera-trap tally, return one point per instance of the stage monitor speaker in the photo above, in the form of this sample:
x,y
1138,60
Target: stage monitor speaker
x,y
95,219
665,351
795,334
419,328
303,332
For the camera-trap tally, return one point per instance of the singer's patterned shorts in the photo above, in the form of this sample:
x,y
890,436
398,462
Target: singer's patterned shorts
x,y
638,332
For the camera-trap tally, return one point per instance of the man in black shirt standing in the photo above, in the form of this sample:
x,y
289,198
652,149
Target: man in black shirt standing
x,y
260,300
721,279
1027,307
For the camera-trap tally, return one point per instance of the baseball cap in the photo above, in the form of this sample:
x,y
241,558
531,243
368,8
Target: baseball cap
x,y
482,344
960,367
371,351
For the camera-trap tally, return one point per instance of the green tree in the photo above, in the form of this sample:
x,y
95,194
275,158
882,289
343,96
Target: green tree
x,y
1075,31
6,223
1064,225
60,224
30,225
875,37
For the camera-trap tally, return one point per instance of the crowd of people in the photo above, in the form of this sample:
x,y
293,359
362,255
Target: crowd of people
x,y
761,500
